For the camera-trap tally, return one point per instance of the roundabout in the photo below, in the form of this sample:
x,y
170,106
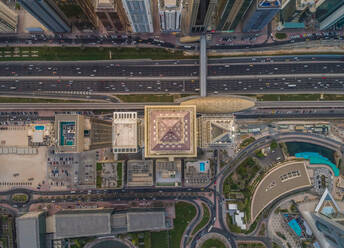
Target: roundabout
x,y
109,243
213,240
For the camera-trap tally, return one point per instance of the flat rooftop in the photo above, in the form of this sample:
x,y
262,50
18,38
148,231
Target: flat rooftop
x,y
80,223
279,181
139,221
124,132
69,131
140,173
170,131
168,173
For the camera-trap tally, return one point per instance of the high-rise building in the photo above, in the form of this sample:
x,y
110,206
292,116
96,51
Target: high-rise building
x,y
87,7
326,222
170,15
47,13
112,15
296,11
75,14
330,13
260,14
199,15
232,13
78,133
139,15
8,19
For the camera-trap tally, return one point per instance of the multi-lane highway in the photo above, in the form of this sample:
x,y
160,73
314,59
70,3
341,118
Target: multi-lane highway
x,y
148,68
242,75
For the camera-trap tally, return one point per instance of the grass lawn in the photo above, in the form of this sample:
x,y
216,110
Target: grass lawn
x,y
204,220
87,53
20,197
99,177
299,97
240,182
159,239
185,212
281,36
211,243
151,98
119,174
35,100
146,98
251,245
247,141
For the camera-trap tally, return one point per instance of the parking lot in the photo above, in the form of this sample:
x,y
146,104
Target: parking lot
x,y
23,170
61,170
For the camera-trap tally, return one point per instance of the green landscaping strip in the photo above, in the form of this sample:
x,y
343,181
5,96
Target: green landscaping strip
x,y
88,53
119,174
239,181
35,100
185,212
159,239
210,243
300,97
204,220
151,97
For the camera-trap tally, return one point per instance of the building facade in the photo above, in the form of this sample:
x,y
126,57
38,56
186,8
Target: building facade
x,y
139,15
170,15
87,7
47,13
8,19
232,13
260,14
330,13
200,15
112,15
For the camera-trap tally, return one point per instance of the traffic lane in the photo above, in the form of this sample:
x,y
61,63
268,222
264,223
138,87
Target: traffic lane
x,y
278,85
276,68
158,69
83,87
95,69
285,58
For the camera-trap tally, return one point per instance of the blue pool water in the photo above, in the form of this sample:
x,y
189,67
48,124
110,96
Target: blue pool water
x,y
39,128
316,158
296,227
202,167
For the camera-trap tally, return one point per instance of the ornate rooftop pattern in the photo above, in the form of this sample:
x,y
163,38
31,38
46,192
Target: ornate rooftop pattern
x,y
170,131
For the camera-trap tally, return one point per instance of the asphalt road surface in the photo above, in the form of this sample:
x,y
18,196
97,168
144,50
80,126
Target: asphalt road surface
x,y
299,74
217,67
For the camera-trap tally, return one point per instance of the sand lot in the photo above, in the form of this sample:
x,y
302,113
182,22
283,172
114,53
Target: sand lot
x,y
28,166
14,136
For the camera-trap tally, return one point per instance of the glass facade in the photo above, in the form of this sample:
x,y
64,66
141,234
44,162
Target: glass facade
x,y
327,8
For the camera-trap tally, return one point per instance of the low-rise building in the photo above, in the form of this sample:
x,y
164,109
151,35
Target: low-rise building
x,y
168,173
237,216
31,230
79,223
139,173
170,131
215,131
197,173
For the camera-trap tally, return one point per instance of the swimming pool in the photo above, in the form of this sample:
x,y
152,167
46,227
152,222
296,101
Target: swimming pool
x,y
202,167
39,128
296,227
